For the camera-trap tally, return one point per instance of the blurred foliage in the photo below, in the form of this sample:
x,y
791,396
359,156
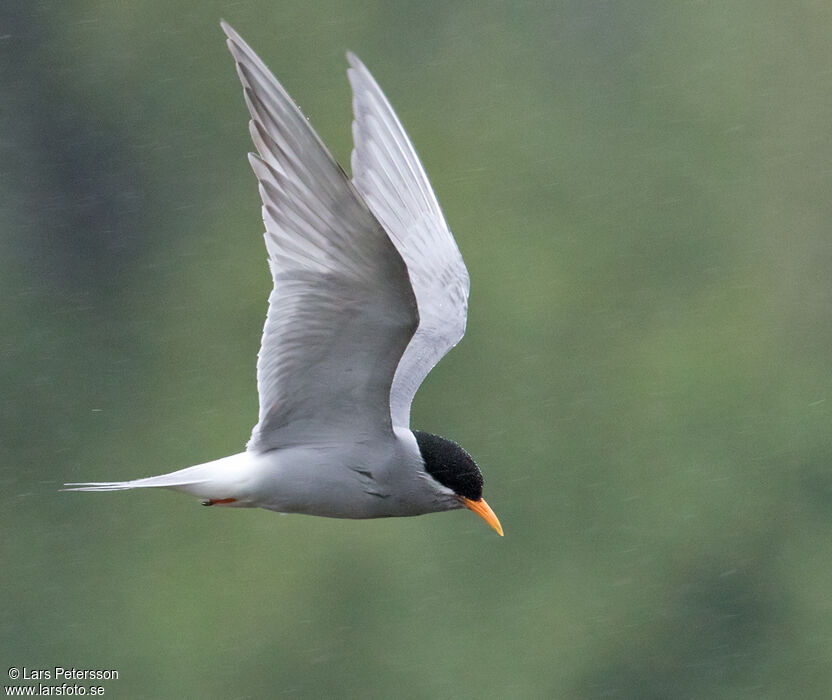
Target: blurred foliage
x,y
641,191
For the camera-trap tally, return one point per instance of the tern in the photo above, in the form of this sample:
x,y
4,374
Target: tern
x,y
370,292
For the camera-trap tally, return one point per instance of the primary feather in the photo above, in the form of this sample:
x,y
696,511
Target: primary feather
x,y
388,174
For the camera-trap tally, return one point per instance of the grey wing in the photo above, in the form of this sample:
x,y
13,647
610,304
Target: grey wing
x,y
388,174
342,310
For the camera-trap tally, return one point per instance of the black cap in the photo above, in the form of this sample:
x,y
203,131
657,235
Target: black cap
x,y
450,465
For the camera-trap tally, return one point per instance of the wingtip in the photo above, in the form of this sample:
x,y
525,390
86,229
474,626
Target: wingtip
x,y
355,63
236,44
227,28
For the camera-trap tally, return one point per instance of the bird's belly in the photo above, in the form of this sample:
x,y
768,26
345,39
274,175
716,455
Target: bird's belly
x,y
333,498
334,484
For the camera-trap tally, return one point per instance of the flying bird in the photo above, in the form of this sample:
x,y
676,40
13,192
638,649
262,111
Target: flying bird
x,y
370,292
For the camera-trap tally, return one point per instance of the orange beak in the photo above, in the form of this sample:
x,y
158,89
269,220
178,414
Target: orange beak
x,y
482,509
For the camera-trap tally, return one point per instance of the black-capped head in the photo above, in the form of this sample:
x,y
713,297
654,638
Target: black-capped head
x,y
450,465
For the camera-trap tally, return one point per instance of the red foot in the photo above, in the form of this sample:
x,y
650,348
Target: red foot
x,y
218,501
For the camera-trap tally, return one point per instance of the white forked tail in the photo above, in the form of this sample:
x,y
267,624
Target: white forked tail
x,y
168,481
217,479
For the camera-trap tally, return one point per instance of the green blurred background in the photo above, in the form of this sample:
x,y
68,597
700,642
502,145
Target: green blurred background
x,y
641,191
